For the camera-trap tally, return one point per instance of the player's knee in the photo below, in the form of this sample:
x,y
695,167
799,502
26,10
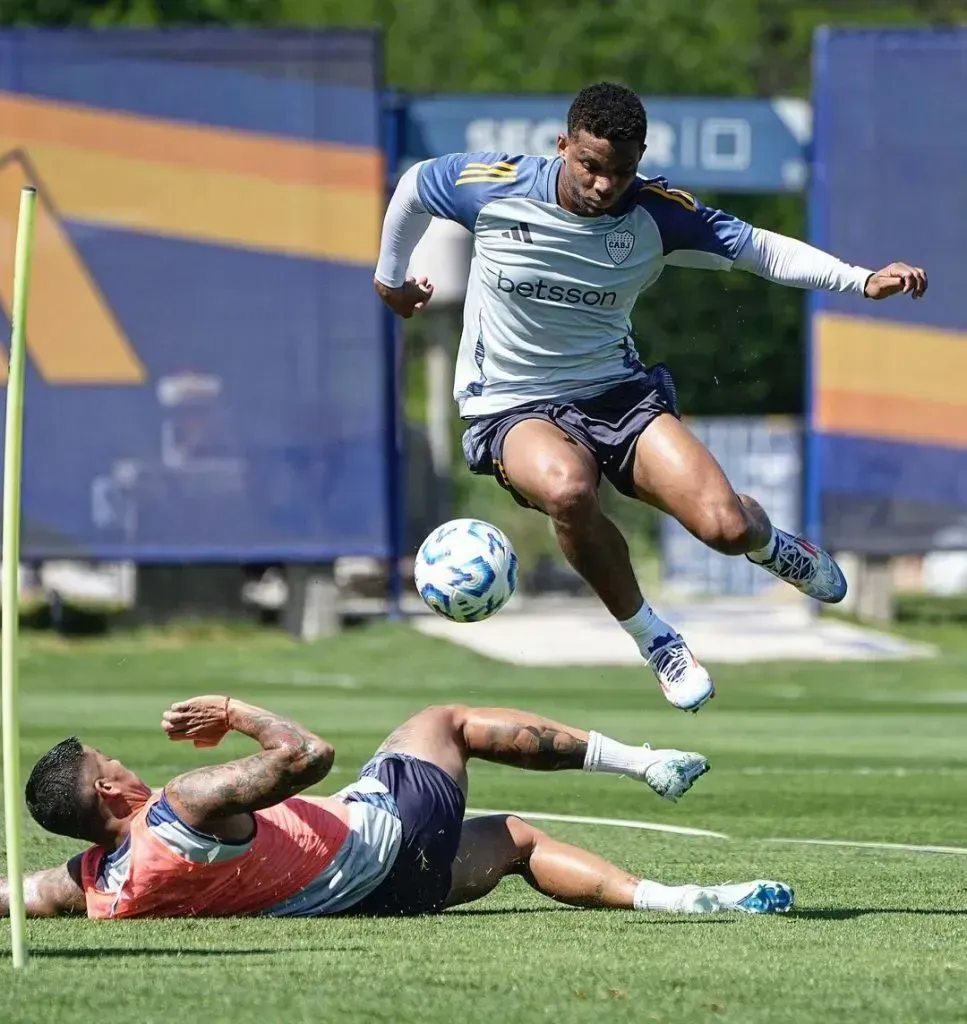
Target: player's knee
x,y
570,496
726,528
524,838
447,716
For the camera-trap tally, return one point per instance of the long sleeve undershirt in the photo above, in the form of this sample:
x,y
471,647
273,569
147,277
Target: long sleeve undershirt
x,y
766,254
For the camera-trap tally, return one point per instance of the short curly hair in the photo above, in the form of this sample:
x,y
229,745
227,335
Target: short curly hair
x,y
55,796
608,111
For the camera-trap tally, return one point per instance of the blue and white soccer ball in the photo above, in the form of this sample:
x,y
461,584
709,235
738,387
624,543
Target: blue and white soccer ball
x,y
466,570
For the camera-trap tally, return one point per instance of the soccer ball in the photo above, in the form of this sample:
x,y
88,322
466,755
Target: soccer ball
x,y
466,570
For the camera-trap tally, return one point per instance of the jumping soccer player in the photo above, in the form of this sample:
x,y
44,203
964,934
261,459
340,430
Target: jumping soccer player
x,y
548,376
235,840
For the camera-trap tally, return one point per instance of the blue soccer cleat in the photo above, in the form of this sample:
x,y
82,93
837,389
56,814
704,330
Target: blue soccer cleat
x,y
807,568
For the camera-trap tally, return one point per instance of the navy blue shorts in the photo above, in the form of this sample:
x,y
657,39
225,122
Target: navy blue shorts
x,y
608,425
431,807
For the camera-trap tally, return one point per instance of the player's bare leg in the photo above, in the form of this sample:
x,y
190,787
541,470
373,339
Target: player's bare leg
x,y
559,475
450,735
493,847
676,473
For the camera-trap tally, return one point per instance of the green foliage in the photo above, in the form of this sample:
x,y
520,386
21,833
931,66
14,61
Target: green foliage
x,y
734,342
101,13
928,608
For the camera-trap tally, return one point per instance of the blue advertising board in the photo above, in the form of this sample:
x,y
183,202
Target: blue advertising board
x,y
208,371
887,446
741,145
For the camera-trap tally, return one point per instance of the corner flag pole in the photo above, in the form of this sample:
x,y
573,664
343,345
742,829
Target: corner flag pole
x,y
10,582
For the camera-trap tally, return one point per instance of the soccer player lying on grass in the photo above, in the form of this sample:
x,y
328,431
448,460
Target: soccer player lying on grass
x,y
235,839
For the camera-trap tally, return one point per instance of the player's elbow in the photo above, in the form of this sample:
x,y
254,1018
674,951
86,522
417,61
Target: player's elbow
x,y
319,758
311,760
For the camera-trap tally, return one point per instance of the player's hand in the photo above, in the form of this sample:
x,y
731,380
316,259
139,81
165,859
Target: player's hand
x,y
411,297
203,720
897,279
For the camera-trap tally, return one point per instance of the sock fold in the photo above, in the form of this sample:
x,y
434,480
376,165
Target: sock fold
x,y
655,896
763,554
610,756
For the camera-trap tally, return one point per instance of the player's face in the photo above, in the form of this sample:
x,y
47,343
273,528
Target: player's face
x,y
596,172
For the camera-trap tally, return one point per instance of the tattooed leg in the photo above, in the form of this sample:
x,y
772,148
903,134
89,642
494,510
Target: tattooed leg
x,y
523,740
448,736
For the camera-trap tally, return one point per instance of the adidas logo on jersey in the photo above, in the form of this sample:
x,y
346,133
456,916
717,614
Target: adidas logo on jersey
x,y
519,233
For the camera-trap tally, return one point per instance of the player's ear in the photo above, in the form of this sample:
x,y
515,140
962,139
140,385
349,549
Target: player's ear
x,y
561,144
106,789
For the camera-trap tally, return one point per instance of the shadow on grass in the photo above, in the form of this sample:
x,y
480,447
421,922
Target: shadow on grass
x,y
654,918
181,953
503,911
848,913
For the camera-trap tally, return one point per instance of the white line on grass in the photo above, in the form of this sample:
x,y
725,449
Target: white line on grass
x,y
906,847
653,826
897,772
576,819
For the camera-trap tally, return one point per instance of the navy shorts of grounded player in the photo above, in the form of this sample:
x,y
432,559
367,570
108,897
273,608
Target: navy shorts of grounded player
x,y
608,424
430,807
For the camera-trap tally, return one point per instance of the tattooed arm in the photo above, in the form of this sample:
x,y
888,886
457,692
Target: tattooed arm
x,y
219,800
49,893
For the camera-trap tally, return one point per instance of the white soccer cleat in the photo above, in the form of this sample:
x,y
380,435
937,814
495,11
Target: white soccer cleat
x,y
807,568
759,897
683,681
673,772
694,899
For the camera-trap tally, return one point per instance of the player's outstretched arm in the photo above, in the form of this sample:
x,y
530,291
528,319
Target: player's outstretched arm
x,y
791,262
49,893
695,235
219,799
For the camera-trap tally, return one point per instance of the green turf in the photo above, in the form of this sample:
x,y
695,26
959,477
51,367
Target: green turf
x,y
861,752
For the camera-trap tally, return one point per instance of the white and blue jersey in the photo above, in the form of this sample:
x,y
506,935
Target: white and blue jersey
x,y
548,307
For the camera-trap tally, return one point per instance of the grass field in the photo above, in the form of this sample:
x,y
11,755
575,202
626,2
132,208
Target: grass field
x,y
872,753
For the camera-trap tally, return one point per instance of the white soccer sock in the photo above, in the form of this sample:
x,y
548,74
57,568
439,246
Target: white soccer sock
x,y
655,896
607,755
644,626
763,554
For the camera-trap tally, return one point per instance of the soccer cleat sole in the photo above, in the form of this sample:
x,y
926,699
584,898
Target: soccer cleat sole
x,y
692,709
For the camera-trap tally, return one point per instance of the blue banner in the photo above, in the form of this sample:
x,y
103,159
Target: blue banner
x,y
888,401
724,145
207,370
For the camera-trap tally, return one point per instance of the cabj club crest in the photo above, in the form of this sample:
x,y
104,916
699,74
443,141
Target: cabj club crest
x,y
619,245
